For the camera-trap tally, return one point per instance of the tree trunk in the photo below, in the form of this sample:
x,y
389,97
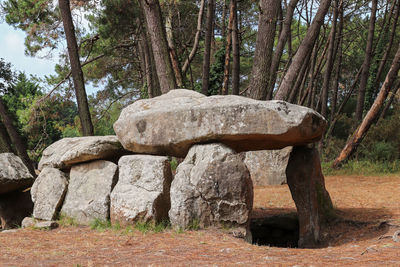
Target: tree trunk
x,y
329,63
196,40
153,89
225,84
382,63
366,64
207,46
15,138
305,48
362,130
287,22
76,69
5,141
172,49
156,30
389,102
235,54
341,107
264,45
339,55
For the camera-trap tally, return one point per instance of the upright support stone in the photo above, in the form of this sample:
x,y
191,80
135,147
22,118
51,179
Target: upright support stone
x,y
307,185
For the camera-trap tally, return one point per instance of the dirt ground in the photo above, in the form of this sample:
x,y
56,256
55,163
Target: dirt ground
x,y
369,206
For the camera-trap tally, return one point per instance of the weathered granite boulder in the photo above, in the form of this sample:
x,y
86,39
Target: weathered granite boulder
x,y
142,191
14,207
14,174
212,186
267,167
171,123
69,151
307,185
28,222
89,189
48,192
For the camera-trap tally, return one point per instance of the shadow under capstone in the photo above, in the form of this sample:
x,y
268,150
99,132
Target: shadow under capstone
x,y
276,231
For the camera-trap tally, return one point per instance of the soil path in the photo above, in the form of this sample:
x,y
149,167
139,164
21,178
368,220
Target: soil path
x,y
370,207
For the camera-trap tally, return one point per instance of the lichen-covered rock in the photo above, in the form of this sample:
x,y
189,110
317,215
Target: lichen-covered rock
x,y
69,151
14,175
268,167
142,191
212,186
170,124
48,192
89,189
29,222
307,185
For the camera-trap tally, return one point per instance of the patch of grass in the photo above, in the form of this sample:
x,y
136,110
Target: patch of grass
x,y
194,225
100,225
363,167
145,227
65,220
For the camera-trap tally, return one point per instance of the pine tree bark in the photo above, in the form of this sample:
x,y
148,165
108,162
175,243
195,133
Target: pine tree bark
x,y
172,49
366,63
372,114
15,138
196,40
228,45
305,48
207,46
339,55
76,69
382,63
264,46
329,63
287,22
156,30
235,54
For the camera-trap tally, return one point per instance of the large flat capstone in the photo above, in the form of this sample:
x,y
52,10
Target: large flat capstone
x,y
171,123
69,151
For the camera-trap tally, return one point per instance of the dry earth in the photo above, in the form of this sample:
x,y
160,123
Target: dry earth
x,y
370,207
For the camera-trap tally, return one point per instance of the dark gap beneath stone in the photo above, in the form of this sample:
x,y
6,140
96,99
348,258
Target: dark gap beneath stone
x,y
276,231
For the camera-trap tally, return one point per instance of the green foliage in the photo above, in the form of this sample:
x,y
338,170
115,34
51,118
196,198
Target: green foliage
x,y
38,18
174,163
217,72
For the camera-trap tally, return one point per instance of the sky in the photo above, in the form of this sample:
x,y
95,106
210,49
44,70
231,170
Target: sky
x,y
12,51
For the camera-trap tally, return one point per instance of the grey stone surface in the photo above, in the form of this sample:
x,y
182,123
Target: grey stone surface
x,y
29,222
268,167
14,174
142,191
89,189
68,151
171,123
212,186
48,192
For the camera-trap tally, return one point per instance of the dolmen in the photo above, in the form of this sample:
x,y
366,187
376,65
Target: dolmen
x,y
127,178
15,200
